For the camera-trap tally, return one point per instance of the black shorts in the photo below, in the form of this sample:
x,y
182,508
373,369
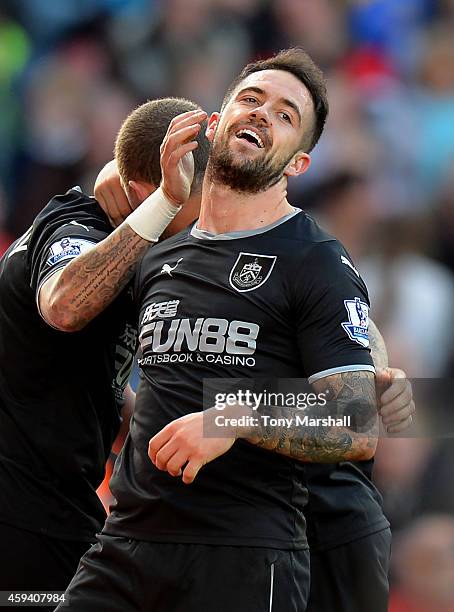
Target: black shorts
x,y
123,575
34,562
352,577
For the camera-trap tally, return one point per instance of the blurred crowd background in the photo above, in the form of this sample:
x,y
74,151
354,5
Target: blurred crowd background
x,y
382,178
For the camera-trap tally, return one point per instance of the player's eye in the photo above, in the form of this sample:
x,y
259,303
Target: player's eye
x,y
250,99
286,117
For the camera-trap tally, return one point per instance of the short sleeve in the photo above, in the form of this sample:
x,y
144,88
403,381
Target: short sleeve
x,y
61,232
332,313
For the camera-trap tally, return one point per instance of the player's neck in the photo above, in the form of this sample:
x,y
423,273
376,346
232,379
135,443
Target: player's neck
x,y
225,210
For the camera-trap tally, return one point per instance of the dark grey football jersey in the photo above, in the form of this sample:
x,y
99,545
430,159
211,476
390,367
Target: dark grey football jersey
x,y
61,393
285,302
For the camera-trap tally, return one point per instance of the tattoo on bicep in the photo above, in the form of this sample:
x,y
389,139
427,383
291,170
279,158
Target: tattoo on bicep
x,y
98,276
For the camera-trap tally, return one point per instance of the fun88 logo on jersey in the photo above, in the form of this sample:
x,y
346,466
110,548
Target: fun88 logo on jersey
x,y
164,338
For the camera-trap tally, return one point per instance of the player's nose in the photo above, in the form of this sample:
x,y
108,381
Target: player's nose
x,y
261,114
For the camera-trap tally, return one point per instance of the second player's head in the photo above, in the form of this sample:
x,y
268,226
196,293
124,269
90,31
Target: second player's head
x,y
138,156
271,118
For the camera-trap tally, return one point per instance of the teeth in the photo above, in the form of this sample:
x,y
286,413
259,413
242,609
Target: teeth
x,y
255,136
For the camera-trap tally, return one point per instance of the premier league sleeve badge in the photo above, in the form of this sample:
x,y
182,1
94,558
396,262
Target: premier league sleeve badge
x,y
357,326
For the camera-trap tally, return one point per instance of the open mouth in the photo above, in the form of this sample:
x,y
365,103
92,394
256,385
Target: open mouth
x,y
251,137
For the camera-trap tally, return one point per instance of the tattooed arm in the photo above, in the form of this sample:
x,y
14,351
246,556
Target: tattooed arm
x,y
72,297
349,394
185,445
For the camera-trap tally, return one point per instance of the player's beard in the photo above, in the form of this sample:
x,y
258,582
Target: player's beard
x,y
244,175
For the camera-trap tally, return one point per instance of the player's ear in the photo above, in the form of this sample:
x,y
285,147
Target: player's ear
x,y
212,125
299,163
138,191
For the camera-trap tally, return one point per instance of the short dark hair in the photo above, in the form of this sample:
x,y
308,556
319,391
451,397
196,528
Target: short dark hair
x,y
299,63
141,134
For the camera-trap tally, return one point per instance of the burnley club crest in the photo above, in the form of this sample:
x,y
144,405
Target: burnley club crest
x,y
251,271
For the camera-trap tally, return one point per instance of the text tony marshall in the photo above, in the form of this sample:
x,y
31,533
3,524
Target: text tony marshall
x,y
295,421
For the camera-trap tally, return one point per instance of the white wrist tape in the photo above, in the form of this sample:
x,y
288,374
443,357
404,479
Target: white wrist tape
x,y
152,217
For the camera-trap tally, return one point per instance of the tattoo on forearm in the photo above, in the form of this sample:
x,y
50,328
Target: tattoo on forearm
x,y
349,394
93,280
